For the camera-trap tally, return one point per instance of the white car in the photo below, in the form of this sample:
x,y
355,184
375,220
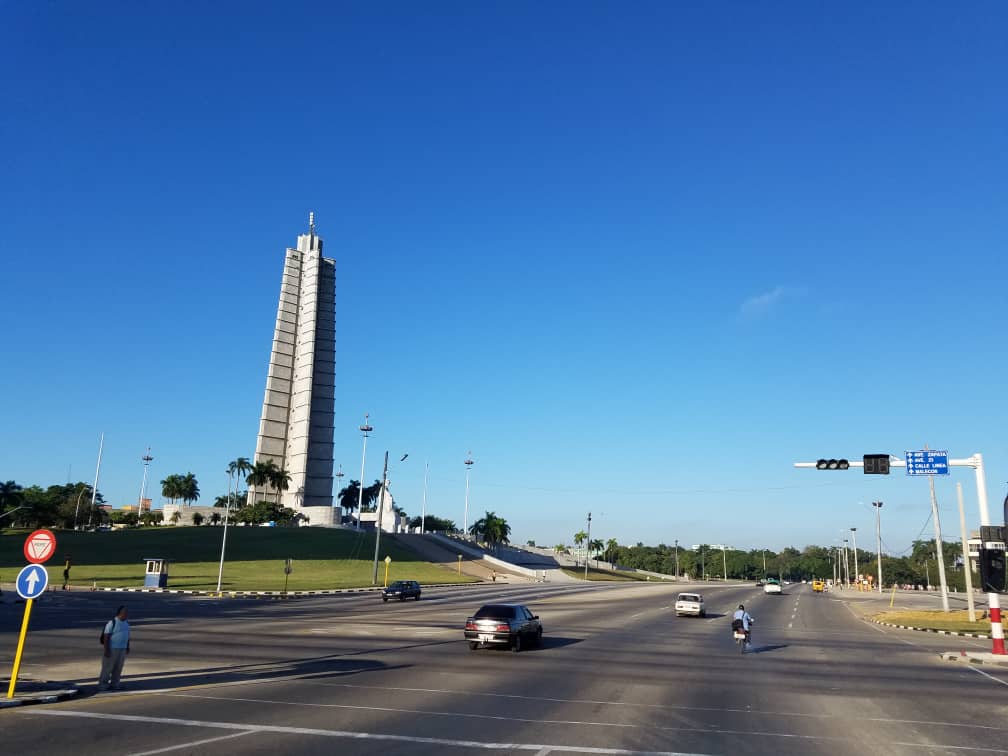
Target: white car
x,y
690,603
772,586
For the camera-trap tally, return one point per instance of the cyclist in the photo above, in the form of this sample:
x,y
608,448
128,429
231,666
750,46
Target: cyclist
x,y
742,619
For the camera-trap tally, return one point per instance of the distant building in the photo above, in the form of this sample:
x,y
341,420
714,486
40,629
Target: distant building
x,y
296,426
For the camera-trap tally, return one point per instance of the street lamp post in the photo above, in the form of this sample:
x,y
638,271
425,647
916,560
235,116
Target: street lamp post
x,y
339,486
847,567
587,546
878,540
146,459
465,520
378,520
854,537
677,559
364,429
724,559
423,510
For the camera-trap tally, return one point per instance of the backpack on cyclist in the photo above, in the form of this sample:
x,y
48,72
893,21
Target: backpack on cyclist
x,y
737,625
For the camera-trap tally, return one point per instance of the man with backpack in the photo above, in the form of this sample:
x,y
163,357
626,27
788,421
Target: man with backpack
x,y
115,640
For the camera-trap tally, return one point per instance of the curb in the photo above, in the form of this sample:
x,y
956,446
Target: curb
x,y
29,699
981,636
271,594
952,656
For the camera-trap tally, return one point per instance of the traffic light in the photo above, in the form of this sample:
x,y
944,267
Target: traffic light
x,y
832,464
992,570
876,464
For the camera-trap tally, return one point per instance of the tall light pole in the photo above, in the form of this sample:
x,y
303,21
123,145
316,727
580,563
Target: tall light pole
x,y
465,521
365,429
677,559
846,565
587,546
339,485
724,558
423,510
378,520
227,510
878,540
146,459
967,568
854,537
764,564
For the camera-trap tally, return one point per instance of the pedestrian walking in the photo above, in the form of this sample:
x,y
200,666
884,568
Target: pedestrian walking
x,y
116,645
66,573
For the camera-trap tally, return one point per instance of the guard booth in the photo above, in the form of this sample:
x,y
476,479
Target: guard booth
x,y
157,572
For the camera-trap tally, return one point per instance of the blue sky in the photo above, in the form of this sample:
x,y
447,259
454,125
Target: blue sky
x,y
637,259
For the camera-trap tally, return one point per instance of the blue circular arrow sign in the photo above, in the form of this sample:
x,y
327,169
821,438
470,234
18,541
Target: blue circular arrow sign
x,y
32,581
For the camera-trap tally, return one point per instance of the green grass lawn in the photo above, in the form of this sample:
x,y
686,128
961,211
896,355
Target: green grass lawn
x,y
957,621
322,558
603,575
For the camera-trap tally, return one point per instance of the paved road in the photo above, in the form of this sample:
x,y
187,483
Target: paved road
x,y
618,673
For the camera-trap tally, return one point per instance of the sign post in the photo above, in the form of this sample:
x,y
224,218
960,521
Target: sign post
x,y
388,561
31,583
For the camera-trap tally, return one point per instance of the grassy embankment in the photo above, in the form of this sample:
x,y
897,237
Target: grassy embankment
x,y
957,621
602,575
323,558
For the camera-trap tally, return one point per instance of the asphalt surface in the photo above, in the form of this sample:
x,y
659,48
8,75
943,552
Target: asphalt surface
x,y
617,673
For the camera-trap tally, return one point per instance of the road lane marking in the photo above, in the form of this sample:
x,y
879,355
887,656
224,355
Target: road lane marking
x,y
251,728
995,679
537,747
193,743
668,707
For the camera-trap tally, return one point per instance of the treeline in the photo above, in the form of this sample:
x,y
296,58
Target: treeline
x,y
919,567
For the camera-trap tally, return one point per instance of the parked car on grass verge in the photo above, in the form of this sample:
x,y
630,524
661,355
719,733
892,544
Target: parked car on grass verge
x,y
402,590
508,625
690,603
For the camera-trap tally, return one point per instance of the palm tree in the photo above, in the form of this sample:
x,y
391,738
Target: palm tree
x,y
259,475
280,480
197,519
190,488
579,538
215,518
236,470
171,487
347,497
176,516
611,546
595,547
494,530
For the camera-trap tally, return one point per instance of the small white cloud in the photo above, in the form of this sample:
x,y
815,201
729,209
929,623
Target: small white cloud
x,y
760,303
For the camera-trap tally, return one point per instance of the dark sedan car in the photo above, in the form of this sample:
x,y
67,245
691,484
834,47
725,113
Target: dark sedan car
x,y
503,625
402,590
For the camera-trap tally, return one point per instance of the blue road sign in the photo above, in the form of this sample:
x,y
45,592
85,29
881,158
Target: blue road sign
x,y
927,462
32,581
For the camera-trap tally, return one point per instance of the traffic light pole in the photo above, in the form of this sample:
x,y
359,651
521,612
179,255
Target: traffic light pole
x,y
976,462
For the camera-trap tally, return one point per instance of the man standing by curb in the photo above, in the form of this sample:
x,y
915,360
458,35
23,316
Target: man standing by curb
x,y
116,642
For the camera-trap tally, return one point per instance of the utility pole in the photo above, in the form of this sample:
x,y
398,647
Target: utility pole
x,y
846,564
465,521
938,544
365,429
878,540
965,553
724,559
677,559
854,536
587,546
378,520
423,511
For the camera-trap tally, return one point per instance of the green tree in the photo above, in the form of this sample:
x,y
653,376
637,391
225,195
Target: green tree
x,y
176,516
280,481
611,546
215,518
433,524
190,488
171,488
491,529
197,519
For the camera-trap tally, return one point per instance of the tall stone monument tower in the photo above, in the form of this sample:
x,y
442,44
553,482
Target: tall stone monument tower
x,y
296,430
